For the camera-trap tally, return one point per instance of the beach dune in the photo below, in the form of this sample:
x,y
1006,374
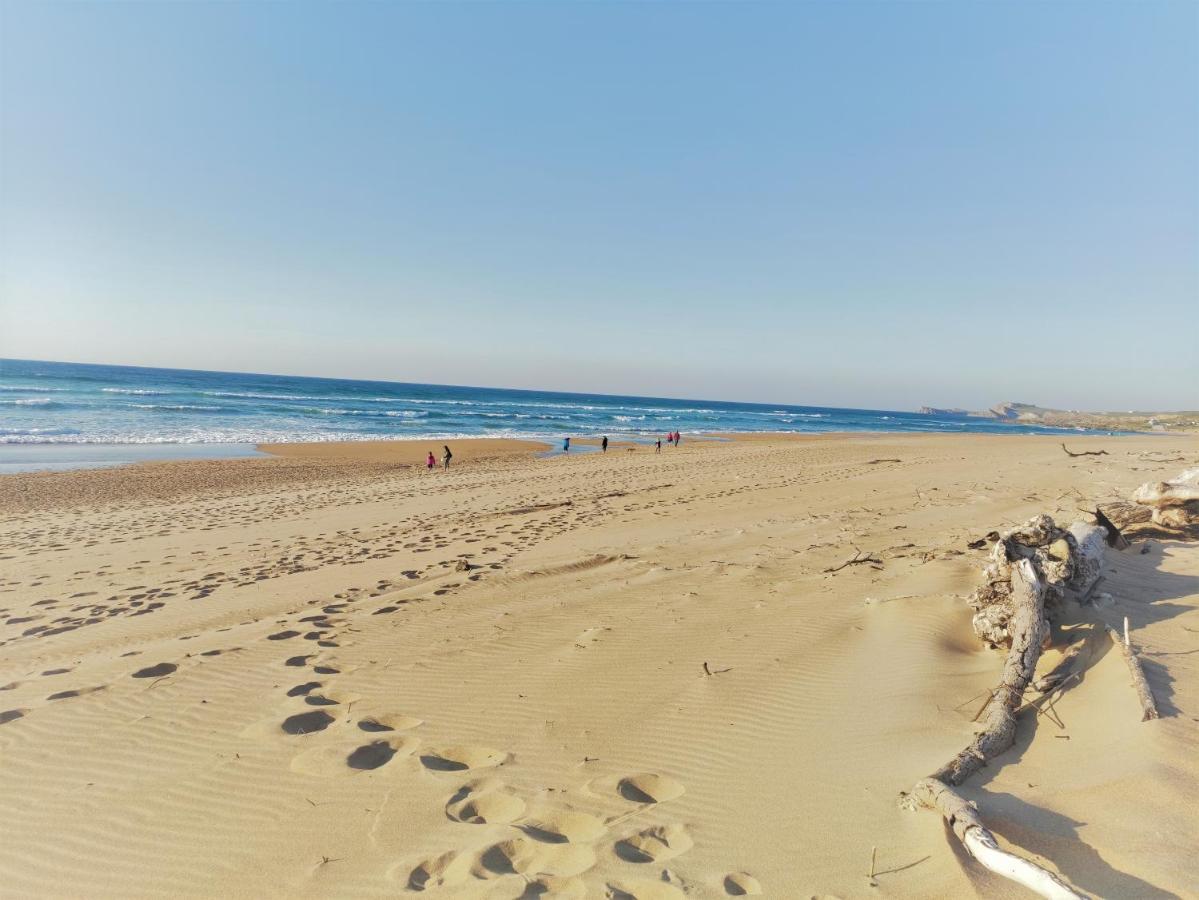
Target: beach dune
x,y
329,673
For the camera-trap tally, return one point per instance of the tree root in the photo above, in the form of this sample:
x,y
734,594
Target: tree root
x,y
1148,704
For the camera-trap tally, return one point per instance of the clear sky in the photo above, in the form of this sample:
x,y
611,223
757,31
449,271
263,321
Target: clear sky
x,y
844,203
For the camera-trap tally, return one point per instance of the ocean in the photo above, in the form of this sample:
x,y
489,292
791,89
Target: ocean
x,y
92,414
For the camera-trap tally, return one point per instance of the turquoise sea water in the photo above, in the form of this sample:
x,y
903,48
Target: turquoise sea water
x,y
97,410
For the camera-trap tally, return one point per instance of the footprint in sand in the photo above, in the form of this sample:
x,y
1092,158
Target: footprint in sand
x,y
76,692
447,870
460,758
545,887
157,671
388,722
657,844
331,698
643,889
342,760
307,723
10,715
649,788
563,826
741,884
528,857
484,802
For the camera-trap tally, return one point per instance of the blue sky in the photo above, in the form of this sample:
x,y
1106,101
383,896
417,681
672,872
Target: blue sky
x,y
843,203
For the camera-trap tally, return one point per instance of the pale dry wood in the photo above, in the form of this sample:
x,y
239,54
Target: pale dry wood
x,y
963,818
1028,628
1135,670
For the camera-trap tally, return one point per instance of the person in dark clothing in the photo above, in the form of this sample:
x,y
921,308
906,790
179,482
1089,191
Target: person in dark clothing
x,y
658,446
604,444
566,446
446,456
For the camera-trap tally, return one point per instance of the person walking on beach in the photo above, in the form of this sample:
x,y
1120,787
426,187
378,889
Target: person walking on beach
x,y
446,456
677,438
604,444
430,463
658,446
566,446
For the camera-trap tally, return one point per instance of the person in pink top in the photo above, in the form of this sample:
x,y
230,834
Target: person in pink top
x,y
431,462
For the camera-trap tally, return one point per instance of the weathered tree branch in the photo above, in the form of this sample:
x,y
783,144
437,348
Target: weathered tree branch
x,y
1148,705
963,818
1028,630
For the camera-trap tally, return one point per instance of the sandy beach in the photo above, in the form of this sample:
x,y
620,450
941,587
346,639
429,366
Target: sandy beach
x,y
328,672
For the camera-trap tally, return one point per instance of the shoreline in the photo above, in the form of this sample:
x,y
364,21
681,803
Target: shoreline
x,y
24,458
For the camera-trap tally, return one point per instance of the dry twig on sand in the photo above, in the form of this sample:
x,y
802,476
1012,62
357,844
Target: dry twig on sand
x,y
1085,452
1148,705
856,560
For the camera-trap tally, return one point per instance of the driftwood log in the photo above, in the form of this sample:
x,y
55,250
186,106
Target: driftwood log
x,y
1175,503
1135,671
1032,569
1027,630
1067,562
963,818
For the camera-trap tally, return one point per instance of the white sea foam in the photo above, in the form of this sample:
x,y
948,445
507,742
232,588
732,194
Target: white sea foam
x,y
137,392
30,401
175,407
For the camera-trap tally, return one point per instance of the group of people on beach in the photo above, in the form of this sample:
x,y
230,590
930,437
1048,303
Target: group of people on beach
x,y
431,463
672,438
446,456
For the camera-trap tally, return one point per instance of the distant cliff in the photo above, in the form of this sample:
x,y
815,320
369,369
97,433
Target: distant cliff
x,y
1030,413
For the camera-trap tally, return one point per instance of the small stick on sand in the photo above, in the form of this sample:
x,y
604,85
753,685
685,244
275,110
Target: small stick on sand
x,y
1085,452
903,867
1148,705
856,560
